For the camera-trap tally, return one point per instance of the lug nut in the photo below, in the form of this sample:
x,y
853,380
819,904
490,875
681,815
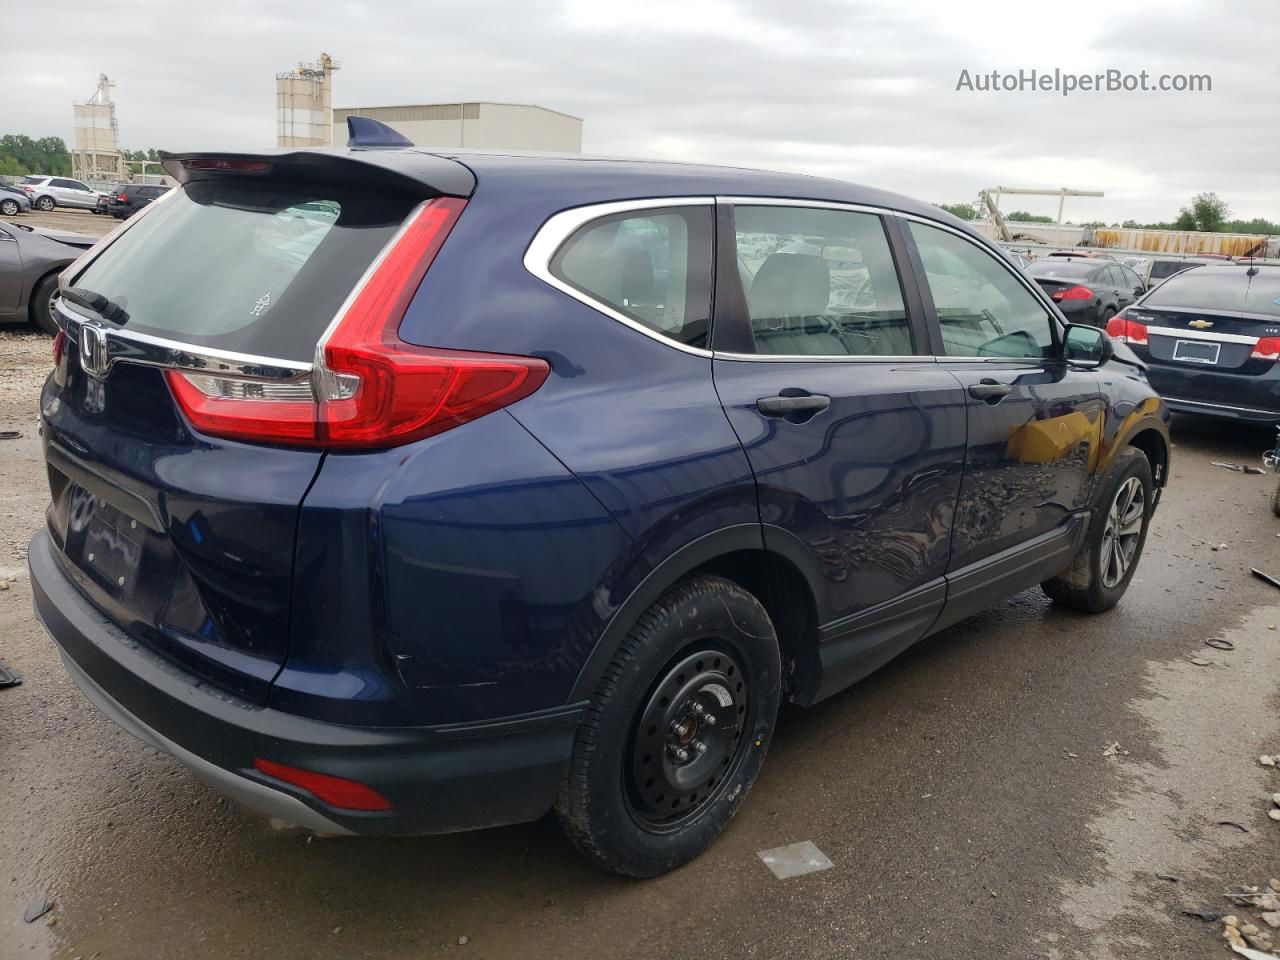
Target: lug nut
x,y
698,709
709,719
681,754
680,728
700,746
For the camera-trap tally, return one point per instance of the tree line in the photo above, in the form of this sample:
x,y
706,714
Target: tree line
x,y
21,155
1207,213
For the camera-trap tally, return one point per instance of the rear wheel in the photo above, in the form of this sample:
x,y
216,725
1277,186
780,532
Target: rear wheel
x,y
1107,314
1101,571
45,203
42,297
9,208
677,731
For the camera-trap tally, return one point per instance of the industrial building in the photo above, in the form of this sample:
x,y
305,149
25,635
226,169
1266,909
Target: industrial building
x,y
501,126
96,156
304,104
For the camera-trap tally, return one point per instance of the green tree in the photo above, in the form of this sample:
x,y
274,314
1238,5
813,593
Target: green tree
x,y
1023,217
48,155
1208,212
965,211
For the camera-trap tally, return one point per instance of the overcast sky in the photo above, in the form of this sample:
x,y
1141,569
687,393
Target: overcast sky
x,y
863,92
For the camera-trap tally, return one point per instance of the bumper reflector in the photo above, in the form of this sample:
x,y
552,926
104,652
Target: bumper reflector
x,y
335,791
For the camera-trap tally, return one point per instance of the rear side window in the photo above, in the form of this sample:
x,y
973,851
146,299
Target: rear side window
x,y
651,266
820,283
254,267
1167,268
1231,290
983,310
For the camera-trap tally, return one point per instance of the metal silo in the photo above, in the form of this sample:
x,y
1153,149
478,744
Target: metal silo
x,y
96,156
304,104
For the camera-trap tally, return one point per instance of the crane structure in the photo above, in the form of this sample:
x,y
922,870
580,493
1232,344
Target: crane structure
x,y
1061,193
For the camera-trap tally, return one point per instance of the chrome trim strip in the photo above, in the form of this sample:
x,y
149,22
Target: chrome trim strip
x,y
552,234
1200,335
831,358
1140,307
1221,406
129,346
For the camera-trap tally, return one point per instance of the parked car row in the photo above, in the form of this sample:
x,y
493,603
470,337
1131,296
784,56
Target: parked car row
x,y
49,193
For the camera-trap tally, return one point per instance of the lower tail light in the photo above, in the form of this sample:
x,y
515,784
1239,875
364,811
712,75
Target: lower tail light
x,y
1077,292
1268,348
335,791
368,389
59,346
1122,328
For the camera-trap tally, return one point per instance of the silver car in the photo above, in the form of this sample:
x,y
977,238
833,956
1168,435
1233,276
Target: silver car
x,y
49,192
13,201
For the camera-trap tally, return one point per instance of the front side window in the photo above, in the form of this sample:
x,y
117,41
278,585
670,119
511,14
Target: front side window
x,y
983,310
820,283
652,266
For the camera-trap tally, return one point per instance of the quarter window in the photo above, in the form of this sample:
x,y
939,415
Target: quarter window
x,y
652,266
820,283
983,310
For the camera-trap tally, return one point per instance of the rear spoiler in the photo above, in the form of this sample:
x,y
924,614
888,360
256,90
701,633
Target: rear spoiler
x,y
419,173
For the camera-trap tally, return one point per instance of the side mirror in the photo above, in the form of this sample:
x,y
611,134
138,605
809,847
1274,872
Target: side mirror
x,y
1086,346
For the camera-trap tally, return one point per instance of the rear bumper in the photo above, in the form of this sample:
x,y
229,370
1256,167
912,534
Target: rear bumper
x,y
1215,393
441,779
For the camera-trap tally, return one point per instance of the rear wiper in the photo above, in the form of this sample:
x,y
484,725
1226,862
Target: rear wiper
x,y
106,309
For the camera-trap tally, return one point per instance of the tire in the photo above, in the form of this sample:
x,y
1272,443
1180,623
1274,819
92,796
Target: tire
x,y
640,796
1275,500
45,203
1107,314
9,208
1089,584
41,307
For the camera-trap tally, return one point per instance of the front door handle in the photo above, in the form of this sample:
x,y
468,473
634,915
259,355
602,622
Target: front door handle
x,y
990,391
811,404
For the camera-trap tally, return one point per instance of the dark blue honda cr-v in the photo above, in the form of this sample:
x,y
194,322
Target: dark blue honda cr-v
x,y
401,491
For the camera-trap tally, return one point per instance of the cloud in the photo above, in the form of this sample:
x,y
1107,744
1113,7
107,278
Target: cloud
x,y
846,89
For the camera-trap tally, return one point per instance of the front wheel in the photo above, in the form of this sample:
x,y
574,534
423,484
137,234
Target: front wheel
x,y
1102,569
9,208
677,731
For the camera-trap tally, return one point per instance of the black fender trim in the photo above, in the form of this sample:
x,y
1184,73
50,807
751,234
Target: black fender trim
x,y
742,536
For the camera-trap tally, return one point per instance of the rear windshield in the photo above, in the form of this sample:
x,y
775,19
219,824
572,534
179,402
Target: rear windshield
x,y
1073,269
33,179
1231,290
258,267
1167,268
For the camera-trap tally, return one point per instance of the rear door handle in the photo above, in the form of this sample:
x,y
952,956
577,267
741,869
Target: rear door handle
x,y
990,390
812,404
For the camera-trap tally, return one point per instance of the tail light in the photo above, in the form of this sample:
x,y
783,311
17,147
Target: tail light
x,y
1122,328
1268,348
335,791
227,165
122,198
59,346
1073,293
368,389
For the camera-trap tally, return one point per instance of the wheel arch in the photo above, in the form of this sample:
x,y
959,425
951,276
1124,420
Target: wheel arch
x,y
28,293
1155,446
770,563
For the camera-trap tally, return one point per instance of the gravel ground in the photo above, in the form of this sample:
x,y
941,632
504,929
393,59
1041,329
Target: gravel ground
x,y
965,793
75,221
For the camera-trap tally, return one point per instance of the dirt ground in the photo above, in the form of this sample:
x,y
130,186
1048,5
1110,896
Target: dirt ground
x,y
75,221
965,794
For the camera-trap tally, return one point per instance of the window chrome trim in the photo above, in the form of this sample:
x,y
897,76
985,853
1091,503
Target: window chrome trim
x,y
130,346
552,235
825,358
1200,335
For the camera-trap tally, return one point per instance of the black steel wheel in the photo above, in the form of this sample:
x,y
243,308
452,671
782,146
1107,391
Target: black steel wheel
x,y
677,731
687,739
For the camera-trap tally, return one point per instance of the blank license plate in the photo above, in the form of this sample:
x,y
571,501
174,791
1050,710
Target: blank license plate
x,y
1196,351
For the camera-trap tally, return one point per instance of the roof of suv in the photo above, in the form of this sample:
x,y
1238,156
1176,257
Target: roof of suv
x,y
591,179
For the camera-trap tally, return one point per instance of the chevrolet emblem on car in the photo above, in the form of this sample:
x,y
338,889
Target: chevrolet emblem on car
x,y
1201,324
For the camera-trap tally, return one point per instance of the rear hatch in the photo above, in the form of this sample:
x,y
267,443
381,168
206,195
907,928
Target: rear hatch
x,y
1214,320
184,539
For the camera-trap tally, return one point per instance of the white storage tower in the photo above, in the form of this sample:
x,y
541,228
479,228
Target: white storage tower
x,y
96,156
304,104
